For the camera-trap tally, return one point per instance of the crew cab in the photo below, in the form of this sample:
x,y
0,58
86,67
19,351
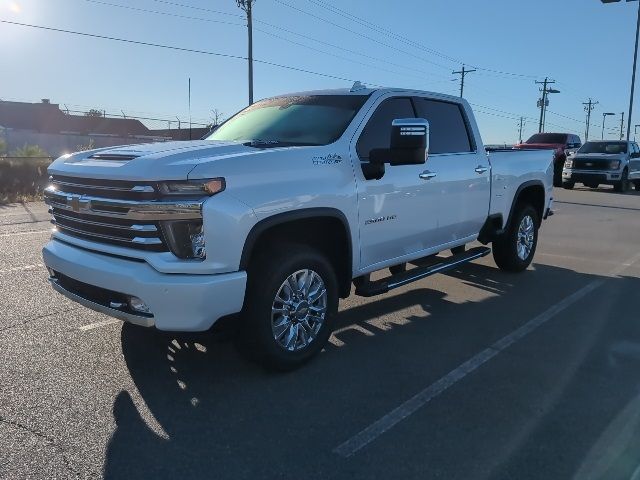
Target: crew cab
x,y
286,206
605,162
562,144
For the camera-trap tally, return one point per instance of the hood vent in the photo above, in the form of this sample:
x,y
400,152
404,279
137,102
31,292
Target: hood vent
x,y
121,157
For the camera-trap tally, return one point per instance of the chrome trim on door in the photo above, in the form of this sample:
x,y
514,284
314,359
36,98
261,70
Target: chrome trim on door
x,y
427,175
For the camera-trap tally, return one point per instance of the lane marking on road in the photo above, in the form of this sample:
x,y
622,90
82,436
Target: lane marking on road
x,y
104,323
30,232
388,421
20,269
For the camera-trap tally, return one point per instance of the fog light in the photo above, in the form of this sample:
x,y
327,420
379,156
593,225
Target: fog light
x,y
138,305
197,243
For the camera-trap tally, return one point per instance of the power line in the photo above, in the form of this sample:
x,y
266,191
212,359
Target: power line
x,y
184,17
180,49
360,34
407,40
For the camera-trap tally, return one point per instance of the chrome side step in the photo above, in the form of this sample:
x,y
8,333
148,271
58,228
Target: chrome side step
x,y
368,288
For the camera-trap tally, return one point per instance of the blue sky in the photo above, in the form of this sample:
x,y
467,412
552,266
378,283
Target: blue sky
x,y
585,46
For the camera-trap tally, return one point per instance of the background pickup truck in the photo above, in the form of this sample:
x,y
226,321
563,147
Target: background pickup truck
x,y
562,144
606,162
286,205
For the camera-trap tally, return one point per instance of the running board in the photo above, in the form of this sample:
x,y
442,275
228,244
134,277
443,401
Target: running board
x,y
368,288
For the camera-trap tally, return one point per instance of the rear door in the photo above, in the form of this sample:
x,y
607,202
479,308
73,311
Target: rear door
x,y
462,173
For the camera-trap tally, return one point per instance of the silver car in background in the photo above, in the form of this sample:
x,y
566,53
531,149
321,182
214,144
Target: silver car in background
x,y
605,162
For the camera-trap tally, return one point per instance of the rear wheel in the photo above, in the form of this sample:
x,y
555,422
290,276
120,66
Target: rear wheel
x,y
290,307
623,185
568,185
514,250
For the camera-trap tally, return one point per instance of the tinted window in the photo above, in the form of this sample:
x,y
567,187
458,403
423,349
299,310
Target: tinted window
x,y
292,120
448,128
557,138
377,133
635,148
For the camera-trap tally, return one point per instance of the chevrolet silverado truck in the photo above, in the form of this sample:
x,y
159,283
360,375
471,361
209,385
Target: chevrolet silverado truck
x,y
605,162
278,213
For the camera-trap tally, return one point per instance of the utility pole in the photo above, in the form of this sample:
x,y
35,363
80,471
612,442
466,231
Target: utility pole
x,y
543,103
622,127
588,107
247,6
604,117
520,130
463,73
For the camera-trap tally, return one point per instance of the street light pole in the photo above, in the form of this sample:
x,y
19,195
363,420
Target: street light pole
x,y
604,117
635,64
633,76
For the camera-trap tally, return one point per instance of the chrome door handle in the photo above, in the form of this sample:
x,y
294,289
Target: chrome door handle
x,y
480,169
427,175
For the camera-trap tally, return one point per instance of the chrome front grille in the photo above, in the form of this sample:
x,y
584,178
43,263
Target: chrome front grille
x,y
116,212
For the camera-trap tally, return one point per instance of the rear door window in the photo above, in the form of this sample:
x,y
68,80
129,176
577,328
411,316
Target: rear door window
x,y
449,132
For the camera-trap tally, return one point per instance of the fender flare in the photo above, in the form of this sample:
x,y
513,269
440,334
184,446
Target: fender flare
x,y
302,214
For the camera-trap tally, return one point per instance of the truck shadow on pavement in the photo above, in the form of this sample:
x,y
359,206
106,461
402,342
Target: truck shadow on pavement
x,y
223,417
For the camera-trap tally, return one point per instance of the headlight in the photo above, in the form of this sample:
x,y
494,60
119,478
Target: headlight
x,y
185,238
614,165
568,164
192,187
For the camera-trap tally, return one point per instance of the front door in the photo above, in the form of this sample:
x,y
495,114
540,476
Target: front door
x,y
398,213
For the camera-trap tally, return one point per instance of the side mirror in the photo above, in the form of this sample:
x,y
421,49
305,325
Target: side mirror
x,y
409,141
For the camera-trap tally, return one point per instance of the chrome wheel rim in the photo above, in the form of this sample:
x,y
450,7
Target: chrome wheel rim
x,y
299,309
526,237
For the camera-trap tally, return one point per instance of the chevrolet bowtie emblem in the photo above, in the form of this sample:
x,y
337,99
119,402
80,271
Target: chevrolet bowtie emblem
x,y
78,202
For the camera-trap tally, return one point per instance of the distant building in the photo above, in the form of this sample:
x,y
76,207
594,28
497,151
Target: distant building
x,y
57,132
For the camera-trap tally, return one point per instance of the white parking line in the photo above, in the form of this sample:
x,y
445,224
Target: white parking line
x,y
20,269
30,232
104,323
373,431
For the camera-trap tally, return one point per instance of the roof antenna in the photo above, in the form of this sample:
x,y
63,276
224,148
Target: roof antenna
x,y
357,85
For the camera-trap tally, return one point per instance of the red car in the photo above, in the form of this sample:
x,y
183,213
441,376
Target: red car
x,y
561,143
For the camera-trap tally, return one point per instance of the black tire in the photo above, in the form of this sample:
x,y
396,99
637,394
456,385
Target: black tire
x,y
568,185
637,186
623,185
592,185
557,173
458,250
505,248
267,275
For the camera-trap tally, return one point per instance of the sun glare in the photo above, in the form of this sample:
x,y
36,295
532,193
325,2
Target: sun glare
x,y
14,7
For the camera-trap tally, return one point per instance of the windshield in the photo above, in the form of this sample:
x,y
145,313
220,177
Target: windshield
x,y
604,147
292,120
548,138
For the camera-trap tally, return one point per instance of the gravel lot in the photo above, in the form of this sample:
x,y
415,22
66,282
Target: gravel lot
x,y
473,374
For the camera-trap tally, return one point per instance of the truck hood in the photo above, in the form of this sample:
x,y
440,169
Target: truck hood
x,y
150,161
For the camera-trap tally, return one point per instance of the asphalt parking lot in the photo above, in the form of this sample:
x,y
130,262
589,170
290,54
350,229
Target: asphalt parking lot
x,y
473,374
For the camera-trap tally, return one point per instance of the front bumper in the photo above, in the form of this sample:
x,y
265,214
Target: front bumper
x,y
591,176
177,302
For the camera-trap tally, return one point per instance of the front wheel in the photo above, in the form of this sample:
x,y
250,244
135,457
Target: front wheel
x,y
290,307
568,185
637,185
623,185
514,250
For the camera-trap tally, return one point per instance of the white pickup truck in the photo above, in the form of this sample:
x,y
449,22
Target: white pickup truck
x,y
286,205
